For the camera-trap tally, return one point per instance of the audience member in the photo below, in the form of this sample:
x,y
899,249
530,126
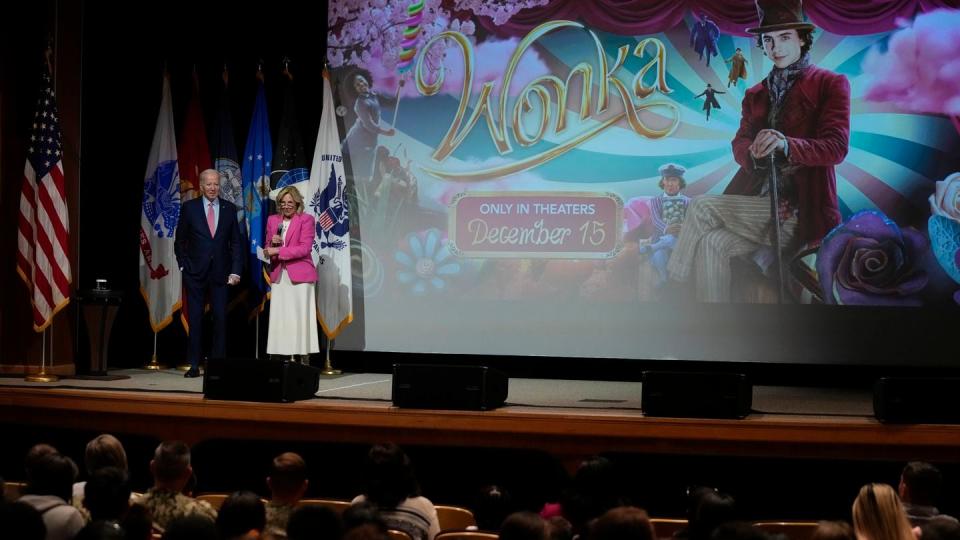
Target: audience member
x,y
623,523
833,530
191,527
362,513
313,522
524,526
171,471
493,505
878,515
107,494
919,489
596,488
36,453
241,516
940,528
102,451
22,521
392,487
707,509
138,523
287,482
49,486
559,528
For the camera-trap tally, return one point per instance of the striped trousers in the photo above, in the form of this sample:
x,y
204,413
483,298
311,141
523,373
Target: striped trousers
x,y
716,229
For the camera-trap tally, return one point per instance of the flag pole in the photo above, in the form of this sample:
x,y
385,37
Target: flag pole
x,y
154,365
256,345
327,366
42,376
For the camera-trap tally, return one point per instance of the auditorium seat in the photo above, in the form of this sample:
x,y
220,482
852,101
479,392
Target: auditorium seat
x,y
793,530
466,535
13,490
454,517
398,535
215,499
666,527
336,505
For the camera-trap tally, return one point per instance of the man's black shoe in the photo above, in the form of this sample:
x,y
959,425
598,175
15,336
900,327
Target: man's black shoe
x,y
192,373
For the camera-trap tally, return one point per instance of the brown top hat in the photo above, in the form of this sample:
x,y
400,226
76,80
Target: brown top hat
x,y
776,15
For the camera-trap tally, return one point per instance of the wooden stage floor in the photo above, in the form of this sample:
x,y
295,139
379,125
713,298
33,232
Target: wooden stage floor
x,y
569,419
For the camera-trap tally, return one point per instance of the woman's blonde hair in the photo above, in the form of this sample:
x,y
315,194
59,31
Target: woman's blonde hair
x,y
294,194
878,515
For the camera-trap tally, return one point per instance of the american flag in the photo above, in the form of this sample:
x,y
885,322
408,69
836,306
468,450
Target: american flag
x,y
326,220
44,227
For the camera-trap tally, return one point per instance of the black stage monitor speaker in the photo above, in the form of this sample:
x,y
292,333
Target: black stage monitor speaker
x,y
246,379
432,386
696,394
917,400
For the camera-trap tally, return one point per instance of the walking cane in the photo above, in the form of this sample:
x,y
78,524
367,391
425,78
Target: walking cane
x,y
775,215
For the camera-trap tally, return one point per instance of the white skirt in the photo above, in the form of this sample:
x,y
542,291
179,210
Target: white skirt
x,y
293,318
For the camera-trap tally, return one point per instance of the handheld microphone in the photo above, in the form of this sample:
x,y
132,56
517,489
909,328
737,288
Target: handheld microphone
x,y
280,230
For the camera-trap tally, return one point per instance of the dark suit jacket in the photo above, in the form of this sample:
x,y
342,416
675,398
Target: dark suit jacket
x,y
201,256
816,121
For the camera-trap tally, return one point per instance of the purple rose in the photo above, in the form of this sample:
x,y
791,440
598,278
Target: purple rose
x,y
869,260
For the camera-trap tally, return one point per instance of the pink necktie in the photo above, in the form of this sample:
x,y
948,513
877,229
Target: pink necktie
x,y
211,220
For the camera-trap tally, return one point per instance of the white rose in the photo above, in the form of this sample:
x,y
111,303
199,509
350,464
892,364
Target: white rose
x,y
945,200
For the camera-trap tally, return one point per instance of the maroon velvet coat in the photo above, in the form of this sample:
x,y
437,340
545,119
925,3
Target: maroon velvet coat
x,y
816,121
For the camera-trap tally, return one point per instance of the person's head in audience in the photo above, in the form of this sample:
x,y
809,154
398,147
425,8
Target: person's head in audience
x,y
288,478
53,474
940,528
191,527
389,476
622,523
170,466
523,526
559,528
708,509
920,484
366,532
833,530
104,451
878,515
21,521
106,494
312,522
241,513
493,505
740,530
36,453
137,522
596,488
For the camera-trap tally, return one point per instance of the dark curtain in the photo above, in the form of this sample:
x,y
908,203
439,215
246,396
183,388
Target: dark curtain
x,y
639,17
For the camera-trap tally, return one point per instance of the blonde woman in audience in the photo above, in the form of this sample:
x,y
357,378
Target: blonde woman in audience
x,y
879,515
102,451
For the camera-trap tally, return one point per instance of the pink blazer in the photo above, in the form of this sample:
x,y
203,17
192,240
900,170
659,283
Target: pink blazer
x,y
295,251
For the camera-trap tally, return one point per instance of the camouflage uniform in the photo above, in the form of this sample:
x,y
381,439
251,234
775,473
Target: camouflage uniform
x,y
278,515
166,506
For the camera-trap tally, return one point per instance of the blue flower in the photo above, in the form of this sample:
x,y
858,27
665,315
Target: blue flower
x,y
427,263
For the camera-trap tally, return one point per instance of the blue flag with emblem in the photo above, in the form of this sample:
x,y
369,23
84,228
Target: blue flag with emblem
x,y
255,172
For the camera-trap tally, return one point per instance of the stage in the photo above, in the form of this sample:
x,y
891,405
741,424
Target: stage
x,y
569,419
